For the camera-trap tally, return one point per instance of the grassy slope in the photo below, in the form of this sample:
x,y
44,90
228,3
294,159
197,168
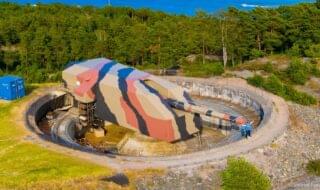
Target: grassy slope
x,y
24,165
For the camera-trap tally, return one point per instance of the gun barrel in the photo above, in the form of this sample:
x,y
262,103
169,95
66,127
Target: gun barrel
x,y
203,110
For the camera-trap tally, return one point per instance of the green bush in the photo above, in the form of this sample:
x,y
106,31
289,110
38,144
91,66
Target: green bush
x,y
268,68
202,70
256,80
313,167
240,174
294,51
273,84
298,97
147,67
57,76
314,70
298,72
313,51
299,77
255,53
314,61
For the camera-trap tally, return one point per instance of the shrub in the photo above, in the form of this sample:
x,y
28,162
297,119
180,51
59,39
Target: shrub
x,y
240,174
256,80
299,77
268,68
298,72
147,66
255,53
299,97
314,61
57,76
202,70
315,71
313,167
294,51
313,51
273,84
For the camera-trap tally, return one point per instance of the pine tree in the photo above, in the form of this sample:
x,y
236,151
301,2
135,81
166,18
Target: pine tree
x,y
318,4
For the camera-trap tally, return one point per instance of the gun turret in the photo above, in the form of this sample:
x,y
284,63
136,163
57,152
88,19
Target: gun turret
x,y
108,91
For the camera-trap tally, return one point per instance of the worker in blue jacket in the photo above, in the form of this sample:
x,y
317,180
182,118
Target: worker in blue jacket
x,y
243,130
246,129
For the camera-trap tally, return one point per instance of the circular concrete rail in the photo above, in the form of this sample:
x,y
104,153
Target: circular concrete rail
x,y
274,123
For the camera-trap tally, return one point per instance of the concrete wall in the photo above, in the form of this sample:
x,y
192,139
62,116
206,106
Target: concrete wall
x,y
40,106
233,90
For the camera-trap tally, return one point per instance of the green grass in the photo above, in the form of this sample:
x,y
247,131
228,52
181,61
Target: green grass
x,y
23,164
313,167
202,70
148,67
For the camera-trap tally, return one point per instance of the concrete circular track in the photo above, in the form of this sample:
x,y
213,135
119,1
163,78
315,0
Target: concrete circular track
x,y
273,124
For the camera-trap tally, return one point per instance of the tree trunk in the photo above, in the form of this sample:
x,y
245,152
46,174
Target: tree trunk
x,y
232,59
259,42
203,54
224,46
225,56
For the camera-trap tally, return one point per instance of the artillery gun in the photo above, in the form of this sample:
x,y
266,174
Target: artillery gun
x,y
104,90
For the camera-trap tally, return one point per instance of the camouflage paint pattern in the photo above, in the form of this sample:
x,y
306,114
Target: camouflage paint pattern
x,y
135,99
131,98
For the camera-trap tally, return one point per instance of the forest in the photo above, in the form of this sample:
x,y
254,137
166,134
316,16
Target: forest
x,y
38,41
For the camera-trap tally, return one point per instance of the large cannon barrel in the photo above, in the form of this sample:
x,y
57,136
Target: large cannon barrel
x,y
203,110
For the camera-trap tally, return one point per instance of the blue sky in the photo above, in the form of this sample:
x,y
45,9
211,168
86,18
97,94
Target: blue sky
x,y
188,7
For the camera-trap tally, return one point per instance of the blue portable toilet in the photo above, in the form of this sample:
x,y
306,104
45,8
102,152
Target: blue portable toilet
x,y
11,87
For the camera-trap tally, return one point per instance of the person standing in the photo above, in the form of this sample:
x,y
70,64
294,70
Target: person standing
x,y
243,130
248,128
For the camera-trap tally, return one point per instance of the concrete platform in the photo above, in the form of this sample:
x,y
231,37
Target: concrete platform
x,y
274,123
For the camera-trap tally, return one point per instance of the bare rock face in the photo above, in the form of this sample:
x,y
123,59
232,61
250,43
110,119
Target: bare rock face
x,y
193,57
243,74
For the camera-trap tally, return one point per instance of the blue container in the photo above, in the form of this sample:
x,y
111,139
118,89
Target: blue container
x,y
11,87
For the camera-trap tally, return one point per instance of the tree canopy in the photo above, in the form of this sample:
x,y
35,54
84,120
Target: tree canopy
x,y
38,41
